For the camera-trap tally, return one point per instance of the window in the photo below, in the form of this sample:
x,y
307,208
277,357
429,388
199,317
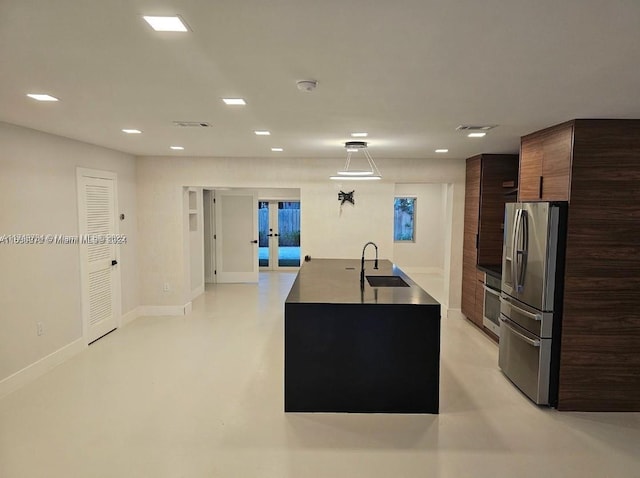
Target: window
x,y
404,209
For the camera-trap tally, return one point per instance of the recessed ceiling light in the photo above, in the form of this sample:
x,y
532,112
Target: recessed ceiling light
x,y
42,97
476,135
131,131
359,135
277,150
177,148
166,24
234,101
442,150
262,133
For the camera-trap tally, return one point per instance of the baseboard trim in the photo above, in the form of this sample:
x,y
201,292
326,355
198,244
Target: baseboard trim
x,y
197,291
188,307
37,369
157,310
130,316
454,314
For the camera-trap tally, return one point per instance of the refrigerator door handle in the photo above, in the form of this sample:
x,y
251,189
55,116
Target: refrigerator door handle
x,y
524,252
526,313
524,338
514,254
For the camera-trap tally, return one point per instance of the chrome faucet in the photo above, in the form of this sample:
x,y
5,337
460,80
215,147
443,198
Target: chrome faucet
x,y
375,265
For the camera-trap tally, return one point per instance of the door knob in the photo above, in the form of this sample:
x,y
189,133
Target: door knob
x,y
114,262
255,241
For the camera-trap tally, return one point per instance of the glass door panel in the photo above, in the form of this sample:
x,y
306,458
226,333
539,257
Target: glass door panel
x,y
263,234
278,234
288,234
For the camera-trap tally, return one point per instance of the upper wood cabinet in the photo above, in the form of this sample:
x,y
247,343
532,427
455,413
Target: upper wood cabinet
x,y
490,177
545,164
498,179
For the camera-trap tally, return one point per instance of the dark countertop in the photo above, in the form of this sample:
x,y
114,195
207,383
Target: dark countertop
x,y
337,281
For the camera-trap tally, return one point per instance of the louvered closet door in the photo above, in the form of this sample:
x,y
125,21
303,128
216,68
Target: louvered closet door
x,y
97,220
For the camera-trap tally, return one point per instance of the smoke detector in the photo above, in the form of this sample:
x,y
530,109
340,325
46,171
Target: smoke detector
x,y
307,85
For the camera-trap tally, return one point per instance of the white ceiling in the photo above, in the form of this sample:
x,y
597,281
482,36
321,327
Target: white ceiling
x,y
408,72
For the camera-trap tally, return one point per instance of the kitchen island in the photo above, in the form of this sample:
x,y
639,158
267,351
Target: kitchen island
x,y
351,347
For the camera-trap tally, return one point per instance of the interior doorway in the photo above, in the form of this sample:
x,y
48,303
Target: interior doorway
x,y
278,234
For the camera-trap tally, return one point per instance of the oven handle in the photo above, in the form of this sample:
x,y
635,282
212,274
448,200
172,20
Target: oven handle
x,y
533,343
491,291
526,313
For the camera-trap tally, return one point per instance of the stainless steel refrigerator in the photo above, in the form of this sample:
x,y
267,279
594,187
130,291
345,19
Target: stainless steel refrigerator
x,y
531,297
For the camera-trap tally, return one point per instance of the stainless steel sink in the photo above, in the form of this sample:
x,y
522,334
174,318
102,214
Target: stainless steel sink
x,y
386,281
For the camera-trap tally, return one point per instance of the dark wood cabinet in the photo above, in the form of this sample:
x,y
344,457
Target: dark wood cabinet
x,y
545,164
469,252
595,166
489,180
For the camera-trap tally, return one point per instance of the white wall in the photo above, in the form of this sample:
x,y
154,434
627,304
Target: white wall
x,y
42,282
331,230
278,194
427,251
326,231
454,214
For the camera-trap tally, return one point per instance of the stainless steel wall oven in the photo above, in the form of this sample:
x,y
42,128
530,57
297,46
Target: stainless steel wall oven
x,y
491,308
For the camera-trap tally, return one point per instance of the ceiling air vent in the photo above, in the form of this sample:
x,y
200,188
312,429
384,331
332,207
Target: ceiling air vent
x,y
468,127
192,124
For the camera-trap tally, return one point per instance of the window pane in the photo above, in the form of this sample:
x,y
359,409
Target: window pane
x,y
403,219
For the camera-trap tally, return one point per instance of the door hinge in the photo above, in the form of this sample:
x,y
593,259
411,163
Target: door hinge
x,y
215,273
214,237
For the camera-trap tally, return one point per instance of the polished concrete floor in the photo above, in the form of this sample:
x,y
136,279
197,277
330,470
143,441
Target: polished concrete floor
x,y
201,396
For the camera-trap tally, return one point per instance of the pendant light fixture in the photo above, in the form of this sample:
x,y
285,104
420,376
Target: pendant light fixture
x,y
348,174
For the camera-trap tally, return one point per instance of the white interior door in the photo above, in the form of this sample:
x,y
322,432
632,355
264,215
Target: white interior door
x,y
236,236
209,236
98,254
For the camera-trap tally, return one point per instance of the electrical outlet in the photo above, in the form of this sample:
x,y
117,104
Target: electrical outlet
x,y
166,287
40,327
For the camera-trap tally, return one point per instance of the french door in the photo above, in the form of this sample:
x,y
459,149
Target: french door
x,y
278,234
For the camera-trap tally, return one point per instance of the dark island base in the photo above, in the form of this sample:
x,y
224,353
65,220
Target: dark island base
x,y
362,358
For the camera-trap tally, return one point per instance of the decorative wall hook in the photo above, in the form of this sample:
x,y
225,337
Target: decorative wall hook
x,y
346,197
